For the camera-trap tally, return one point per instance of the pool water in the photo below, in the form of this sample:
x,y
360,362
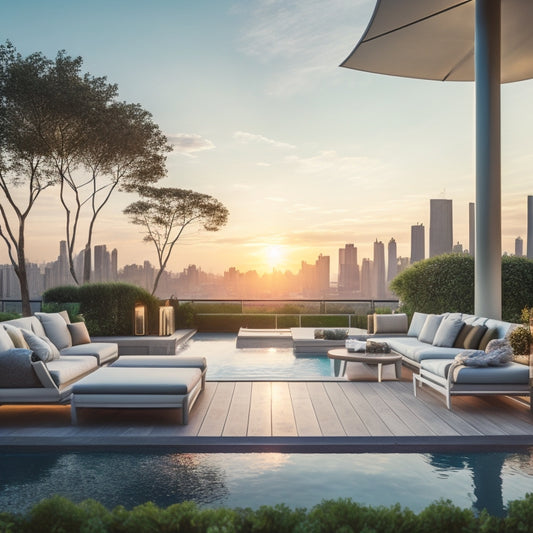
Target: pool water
x,y
226,361
130,478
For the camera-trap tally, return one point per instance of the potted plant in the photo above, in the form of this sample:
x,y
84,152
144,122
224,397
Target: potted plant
x,y
520,338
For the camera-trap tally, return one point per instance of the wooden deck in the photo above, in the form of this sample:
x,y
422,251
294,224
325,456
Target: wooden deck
x,y
318,416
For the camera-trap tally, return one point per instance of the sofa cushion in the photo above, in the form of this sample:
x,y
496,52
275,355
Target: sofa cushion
x,y
41,347
489,335
16,336
104,352
16,369
474,337
67,369
417,351
5,341
78,333
390,323
431,325
56,329
31,323
448,330
460,340
417,323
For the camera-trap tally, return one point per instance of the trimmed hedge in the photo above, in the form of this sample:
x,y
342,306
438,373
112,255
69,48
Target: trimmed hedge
x,y
58,514
446,283
107,308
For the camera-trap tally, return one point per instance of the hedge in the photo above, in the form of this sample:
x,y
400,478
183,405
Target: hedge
x,y
446,283
107,308
58,514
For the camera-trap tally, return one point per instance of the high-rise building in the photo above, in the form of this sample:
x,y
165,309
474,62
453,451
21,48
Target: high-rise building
x,y
379,270
519,247
418,245
440,227
392,260
348,277
114,265
366,278
472,229
322,275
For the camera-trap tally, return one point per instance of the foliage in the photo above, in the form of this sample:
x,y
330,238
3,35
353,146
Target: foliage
x,y
107,308
60,515
446,283
8,316
232,323
324,321
520,340
166,212
184,314
72,308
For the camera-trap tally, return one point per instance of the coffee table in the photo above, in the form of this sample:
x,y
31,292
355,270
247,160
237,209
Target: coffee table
x,y
378,359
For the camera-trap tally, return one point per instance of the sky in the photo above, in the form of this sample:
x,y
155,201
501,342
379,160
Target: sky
x,y
307,156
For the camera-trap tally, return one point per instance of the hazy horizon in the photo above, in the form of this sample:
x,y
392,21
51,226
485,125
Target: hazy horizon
x,y
306,156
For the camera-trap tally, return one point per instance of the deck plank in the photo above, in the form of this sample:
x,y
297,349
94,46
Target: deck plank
x,y
215,419
283,421
304,414
239,410
260,419
350,419
330,424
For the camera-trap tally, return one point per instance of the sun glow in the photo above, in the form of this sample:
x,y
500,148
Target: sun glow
x,y
275,255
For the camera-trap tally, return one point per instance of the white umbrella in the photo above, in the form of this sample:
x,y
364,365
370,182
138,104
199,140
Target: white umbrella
x,y
486,41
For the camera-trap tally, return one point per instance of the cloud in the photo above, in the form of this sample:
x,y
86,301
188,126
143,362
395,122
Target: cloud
x,y
246,137
189,143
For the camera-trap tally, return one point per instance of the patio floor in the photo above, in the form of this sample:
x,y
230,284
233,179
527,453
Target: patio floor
x,y
317,416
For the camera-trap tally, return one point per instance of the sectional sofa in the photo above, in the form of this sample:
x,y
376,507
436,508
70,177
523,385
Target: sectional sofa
x,y
447,353
46,359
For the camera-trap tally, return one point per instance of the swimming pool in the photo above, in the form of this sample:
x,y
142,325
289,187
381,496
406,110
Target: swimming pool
x,y
130,478
226,361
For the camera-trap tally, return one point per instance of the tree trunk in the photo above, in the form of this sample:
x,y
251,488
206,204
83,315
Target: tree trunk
x,y
87,265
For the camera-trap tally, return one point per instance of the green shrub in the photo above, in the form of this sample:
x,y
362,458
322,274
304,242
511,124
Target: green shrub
x,y
520,340
324,321
8,316
72,308
446,283
107,308
232,323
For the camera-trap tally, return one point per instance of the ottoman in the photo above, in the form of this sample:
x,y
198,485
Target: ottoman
x,y
138,387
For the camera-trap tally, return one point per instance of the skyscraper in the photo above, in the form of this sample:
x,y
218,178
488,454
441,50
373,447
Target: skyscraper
x,y
348,278
440,227
379,269
322,274
392,260
519,247
418,245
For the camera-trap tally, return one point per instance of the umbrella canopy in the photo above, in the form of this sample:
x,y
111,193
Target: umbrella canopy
x,y
486,41
434,40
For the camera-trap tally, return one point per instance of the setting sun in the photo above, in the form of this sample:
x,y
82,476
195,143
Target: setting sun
x,y
275,255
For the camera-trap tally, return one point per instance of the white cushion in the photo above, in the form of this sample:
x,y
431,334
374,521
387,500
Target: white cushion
x,y
41,347
431,325
16,336
417,323
5,341
447,333
56,329
390,323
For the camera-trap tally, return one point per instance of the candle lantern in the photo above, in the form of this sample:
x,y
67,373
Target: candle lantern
x,y
166,320
139,319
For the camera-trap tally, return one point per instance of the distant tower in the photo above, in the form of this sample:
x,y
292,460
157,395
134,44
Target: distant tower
x,y
322,275
366,278
530,227
348,278
379,269
472,228
440,227
392,258
418,245
114,264
519,247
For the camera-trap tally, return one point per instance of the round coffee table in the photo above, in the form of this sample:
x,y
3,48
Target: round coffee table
x,y
378,359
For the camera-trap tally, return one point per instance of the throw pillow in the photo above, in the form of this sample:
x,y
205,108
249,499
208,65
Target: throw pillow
x,y
390,323
474,336
319,333
21,374
78,332
447,333
56,329
431,325
490,334
16,336
460,340
5,341
417,323
42,348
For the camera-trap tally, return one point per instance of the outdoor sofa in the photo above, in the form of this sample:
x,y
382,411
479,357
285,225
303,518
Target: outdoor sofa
x,y
432,343
43,358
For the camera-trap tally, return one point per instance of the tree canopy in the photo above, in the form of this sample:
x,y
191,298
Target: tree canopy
x,y
166,212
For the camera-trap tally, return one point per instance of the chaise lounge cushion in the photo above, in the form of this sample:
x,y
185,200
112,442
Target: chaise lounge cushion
x,y
510,373
105,352
56,329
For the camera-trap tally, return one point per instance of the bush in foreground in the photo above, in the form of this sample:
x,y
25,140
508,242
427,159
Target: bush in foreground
x,y
59,515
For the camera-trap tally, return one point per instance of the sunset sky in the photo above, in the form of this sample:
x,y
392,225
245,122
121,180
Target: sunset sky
x,y
307,156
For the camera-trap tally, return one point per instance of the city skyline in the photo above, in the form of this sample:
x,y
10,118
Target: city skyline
x,y
307,156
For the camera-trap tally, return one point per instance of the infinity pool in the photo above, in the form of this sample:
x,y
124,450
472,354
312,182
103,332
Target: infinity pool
x,y
487,480
226,361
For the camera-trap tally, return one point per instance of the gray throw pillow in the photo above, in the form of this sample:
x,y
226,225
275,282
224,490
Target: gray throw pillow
x,y
447,333
42,348
20,373
417,323
56,329
431,325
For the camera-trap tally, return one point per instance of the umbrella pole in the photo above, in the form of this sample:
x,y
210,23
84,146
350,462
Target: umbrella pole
x,y
488,263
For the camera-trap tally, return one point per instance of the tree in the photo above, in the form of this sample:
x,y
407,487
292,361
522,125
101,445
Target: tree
x,y
165,213
23,157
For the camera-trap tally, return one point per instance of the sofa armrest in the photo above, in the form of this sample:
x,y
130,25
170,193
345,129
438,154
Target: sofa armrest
x,y
18,370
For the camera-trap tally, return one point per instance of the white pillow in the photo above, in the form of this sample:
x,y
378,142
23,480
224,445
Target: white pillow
x,y
5,341
447,333
417,323
42,348
56,329
431,325
16,336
